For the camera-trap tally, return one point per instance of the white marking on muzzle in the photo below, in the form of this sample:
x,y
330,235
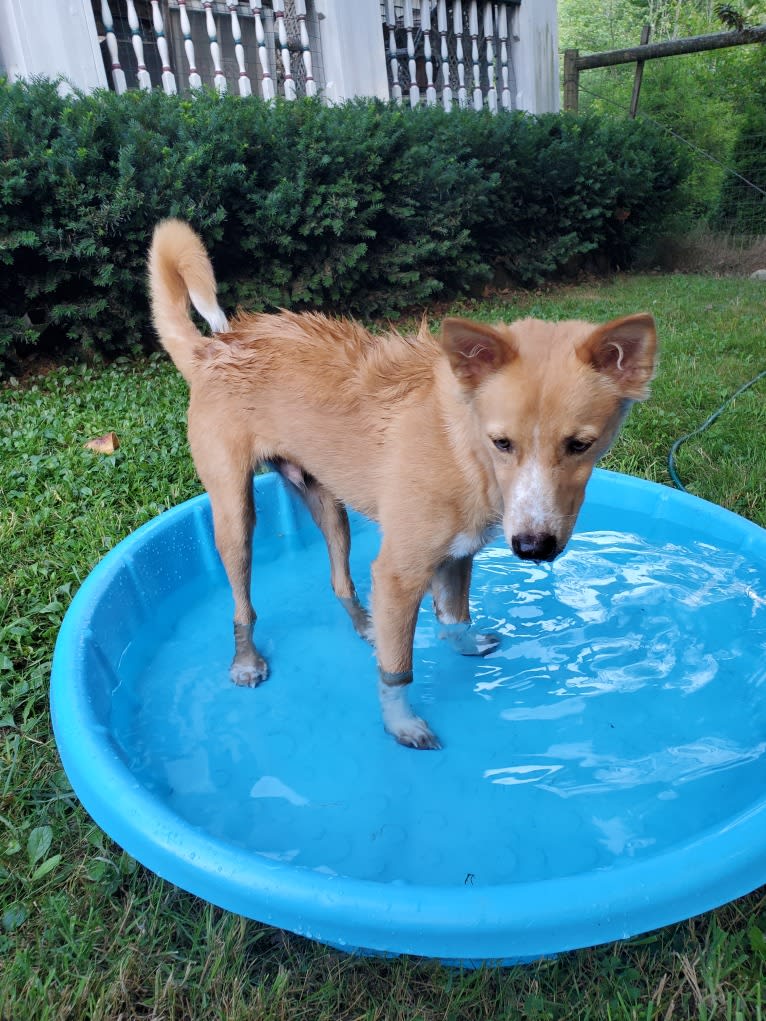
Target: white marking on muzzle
x,y
530,505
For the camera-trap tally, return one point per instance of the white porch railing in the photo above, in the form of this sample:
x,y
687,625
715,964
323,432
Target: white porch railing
x,y
451,51
438,51
476,53
180,44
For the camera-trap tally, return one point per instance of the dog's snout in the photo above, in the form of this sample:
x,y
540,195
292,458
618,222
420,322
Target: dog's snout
x,y
530,546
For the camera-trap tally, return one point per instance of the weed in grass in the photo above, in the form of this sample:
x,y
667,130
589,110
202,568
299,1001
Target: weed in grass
x,y
87,933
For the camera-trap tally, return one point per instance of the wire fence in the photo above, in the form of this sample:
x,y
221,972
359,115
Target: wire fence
x,y
726,190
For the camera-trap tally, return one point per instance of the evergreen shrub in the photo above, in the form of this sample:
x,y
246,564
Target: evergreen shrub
x,y
364,208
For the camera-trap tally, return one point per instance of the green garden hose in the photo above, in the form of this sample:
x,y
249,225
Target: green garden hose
x,y
672,454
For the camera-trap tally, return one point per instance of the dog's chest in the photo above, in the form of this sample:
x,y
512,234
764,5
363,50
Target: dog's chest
x,y
465,544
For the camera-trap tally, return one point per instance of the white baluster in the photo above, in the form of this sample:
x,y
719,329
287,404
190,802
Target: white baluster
x,y
425,25
441,21
195,82
219,79
409,24
502,32
473,27
168,78
300,11
489,35
267,82
144,81
245,88
279,14
118,75
396,89
457,22
515,35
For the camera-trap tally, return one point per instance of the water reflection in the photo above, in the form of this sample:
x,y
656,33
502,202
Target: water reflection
x,y
579,769
616,613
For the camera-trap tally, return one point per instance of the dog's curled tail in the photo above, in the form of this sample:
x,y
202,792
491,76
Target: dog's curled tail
x,y
179,270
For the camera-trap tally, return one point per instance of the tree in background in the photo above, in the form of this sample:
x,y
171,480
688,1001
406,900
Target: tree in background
x,y
708,99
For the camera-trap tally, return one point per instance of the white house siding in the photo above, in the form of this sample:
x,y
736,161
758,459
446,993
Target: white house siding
x,y
51,38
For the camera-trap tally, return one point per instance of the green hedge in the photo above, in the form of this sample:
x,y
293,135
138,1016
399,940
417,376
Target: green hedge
x,y
363,208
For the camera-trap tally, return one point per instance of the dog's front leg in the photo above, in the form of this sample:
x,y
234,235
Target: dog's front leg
x,y
396,597
450,590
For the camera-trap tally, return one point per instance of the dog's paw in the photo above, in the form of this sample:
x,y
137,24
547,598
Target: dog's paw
x,y
415,733
399,719
249,673
484,643
360,618
470,643
363,626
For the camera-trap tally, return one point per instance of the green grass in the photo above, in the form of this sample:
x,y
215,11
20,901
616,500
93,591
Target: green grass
x,y
87,933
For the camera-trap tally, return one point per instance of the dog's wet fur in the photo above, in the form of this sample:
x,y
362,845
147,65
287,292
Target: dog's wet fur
x,y
443,440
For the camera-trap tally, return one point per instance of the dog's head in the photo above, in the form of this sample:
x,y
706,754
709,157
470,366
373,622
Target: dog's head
x,y
546,401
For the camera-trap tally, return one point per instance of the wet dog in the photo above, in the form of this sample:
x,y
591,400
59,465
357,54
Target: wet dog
x,y
440,439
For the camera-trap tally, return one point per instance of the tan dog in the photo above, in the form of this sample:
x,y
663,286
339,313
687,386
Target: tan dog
x,y
439,440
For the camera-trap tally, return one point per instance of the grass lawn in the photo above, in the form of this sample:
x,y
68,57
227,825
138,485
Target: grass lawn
x,y
87,933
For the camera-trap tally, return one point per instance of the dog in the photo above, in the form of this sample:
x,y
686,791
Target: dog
x,y
440,439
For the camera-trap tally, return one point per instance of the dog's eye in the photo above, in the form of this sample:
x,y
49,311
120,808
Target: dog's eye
x,y
503,443
575,446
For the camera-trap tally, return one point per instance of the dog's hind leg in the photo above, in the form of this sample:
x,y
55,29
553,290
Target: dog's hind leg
x,y
396,596
230,487
331,518
234,520
450,589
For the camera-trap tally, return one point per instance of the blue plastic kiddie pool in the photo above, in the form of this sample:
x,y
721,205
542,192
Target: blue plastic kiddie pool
x,y
603,771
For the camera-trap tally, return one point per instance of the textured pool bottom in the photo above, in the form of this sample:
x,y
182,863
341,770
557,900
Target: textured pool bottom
x,y
602,771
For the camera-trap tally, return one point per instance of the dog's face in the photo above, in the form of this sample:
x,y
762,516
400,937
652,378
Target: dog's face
x,y
547,401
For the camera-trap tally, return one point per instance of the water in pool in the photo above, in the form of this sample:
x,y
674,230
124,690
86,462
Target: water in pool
x,y
622,712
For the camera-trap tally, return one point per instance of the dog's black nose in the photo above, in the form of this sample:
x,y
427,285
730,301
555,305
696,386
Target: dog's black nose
x,y
529,546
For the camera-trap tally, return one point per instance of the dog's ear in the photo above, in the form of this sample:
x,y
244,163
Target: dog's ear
x,y
474,350
624,349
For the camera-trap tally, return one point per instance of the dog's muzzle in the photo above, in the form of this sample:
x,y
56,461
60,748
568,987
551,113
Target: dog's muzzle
x,y
537,547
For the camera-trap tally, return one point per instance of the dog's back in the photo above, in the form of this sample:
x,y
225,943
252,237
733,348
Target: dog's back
x,y
331,360
307,388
